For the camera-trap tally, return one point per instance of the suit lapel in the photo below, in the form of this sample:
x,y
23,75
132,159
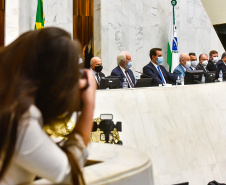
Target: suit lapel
x,y
121,73
155,70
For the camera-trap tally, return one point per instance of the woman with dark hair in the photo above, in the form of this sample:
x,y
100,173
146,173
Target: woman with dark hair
x,y
39,82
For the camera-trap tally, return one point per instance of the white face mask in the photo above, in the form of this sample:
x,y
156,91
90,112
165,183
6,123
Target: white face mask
x,y
188,64
205,62
194,63
215,59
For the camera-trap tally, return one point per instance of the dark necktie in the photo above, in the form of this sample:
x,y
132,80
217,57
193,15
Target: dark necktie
x,y
98,79
130,83
160,73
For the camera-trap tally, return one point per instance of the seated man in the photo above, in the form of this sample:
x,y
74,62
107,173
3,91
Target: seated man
x,y
193,59
221,64
96,67
213,59
158,72
124,62
184,65
203,61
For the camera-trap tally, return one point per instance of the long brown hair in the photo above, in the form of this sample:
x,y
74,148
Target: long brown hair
x,y
41,68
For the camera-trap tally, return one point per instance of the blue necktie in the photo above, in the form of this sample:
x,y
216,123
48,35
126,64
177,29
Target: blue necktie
x,y
160,73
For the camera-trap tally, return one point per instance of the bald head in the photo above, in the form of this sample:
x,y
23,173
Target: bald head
x,y
203,59
95,62
184,57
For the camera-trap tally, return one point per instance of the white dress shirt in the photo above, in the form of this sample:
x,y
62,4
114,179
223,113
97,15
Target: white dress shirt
x,y
37,155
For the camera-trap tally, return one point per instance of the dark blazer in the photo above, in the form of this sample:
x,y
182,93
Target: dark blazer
x,y
101,74
151,71
220,66
118,72
211,66
200,67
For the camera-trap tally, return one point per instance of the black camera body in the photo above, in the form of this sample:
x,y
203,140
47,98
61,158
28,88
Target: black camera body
x,y
109,129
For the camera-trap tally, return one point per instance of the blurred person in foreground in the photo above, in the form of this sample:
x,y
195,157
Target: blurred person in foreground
x,y
41,81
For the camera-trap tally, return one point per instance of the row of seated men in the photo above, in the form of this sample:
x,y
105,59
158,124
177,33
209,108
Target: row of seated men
x,y
158,72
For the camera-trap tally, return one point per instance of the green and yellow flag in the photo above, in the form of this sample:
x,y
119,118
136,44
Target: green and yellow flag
x,y
40,16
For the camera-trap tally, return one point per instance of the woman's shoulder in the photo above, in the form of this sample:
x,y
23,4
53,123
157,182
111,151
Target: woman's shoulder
x,y
33,113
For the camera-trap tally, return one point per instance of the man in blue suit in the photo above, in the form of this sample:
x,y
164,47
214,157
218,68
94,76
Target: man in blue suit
x,y
221,64
124,62
158,72
184,65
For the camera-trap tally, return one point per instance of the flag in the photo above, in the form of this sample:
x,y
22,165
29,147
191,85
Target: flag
x,y
40,16
172,50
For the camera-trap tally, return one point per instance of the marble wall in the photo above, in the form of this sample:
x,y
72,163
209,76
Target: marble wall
x,y
182,128
135,26
138,26
20,16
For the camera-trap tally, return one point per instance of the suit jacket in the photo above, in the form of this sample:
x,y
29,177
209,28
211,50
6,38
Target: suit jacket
x,y
118,72
101,74
200,67
151,71
211,66
179,70
220,66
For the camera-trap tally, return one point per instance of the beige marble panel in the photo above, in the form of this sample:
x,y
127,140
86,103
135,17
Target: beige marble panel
x,y
181,128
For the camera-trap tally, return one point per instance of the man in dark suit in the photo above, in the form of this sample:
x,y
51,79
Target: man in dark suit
x,y
203,61
158,72
193,59
213,59
96,67
124,62
184,65
221,64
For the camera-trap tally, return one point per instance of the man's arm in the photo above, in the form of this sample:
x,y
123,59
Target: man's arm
x,y
114,73
177,73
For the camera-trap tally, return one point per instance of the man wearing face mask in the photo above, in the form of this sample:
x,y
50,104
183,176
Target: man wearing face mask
x,y
96,67
184,65
203,61
193,59
213,59
221,64
124,62
158,72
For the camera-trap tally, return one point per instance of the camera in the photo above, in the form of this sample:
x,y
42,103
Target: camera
x,y
108,130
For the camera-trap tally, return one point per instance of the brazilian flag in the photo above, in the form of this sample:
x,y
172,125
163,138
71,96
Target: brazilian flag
x,y
40,16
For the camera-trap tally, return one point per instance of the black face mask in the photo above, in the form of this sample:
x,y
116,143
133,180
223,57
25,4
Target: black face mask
x,y
98,68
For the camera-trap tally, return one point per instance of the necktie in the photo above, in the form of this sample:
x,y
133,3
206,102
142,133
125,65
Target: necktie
x,y
130,83
160,73
98,79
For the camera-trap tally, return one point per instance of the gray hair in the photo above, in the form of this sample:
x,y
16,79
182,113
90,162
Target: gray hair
x,y
121,56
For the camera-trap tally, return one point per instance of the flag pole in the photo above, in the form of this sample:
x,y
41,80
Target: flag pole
x,y
174,3
175,41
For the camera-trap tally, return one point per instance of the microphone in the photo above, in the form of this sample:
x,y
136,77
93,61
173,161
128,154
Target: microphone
x,y
144,74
